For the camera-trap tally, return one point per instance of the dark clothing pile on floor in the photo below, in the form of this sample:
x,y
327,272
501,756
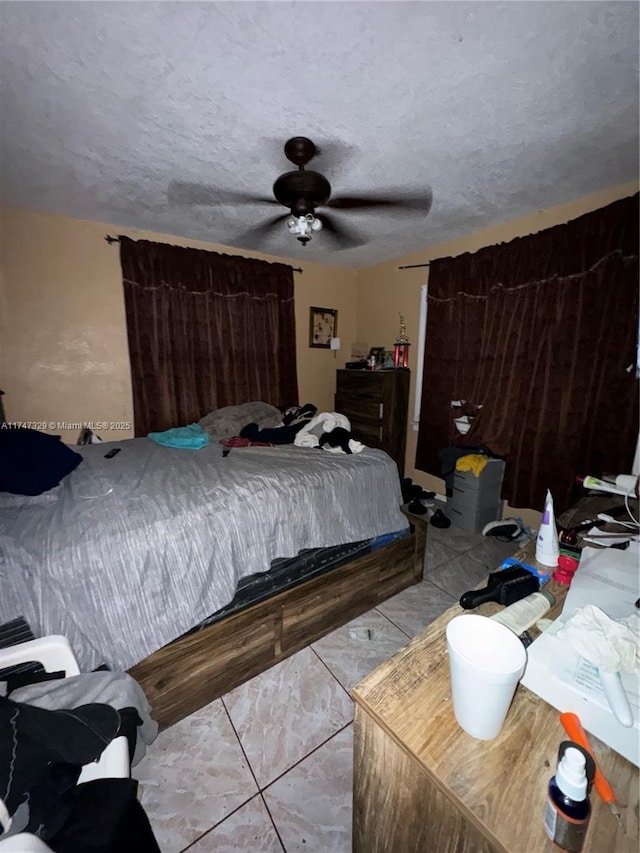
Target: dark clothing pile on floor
x,y
42,753
50,727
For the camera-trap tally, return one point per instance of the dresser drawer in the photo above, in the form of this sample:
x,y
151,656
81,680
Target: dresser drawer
x,y
362,385
489,495
369,411
473,520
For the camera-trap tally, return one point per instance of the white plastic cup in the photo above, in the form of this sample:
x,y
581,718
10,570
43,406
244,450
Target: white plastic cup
x,y
486,662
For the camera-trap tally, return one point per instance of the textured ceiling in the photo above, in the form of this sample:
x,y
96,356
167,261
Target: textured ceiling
x,y
497,109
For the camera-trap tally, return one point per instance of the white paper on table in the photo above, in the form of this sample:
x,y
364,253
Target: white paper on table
x,y
608,579
578,672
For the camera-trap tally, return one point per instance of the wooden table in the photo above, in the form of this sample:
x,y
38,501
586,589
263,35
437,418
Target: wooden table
x,y
422,785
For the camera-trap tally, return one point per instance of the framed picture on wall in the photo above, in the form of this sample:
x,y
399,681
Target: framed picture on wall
x,y
323,325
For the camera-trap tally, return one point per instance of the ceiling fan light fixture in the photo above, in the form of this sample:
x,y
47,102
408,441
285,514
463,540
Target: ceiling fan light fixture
x,y
303,226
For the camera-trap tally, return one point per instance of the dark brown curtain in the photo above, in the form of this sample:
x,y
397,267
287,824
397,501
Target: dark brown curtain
x,y
205,330
540,332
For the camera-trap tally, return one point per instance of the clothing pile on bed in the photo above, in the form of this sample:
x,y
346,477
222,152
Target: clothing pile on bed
x,y
323,429
222,424
261,424
292,421
305,427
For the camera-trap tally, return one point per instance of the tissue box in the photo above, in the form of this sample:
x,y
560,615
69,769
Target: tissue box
x,y
569,682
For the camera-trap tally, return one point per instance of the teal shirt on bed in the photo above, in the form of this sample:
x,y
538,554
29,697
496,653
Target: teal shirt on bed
x,y
191,437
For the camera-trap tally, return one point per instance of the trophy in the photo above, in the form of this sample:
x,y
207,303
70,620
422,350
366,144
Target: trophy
x,y
401,346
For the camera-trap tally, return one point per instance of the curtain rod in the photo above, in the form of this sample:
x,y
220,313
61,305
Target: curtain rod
x,y
413,266
111,240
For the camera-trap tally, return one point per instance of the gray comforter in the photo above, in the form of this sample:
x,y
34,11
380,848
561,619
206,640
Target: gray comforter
x,y
129,553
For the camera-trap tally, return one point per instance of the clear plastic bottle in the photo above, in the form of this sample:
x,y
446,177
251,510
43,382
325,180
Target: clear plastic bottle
x,y
567,813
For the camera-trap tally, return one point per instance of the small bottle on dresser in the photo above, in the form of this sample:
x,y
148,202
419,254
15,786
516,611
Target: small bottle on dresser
x,y
567,813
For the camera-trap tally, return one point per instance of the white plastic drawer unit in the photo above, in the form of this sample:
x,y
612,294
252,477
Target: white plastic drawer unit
x,y
476,500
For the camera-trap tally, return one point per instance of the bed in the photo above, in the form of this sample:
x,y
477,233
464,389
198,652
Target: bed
x,y
130,553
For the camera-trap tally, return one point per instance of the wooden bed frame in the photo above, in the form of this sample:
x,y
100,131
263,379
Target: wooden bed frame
x,y
196,669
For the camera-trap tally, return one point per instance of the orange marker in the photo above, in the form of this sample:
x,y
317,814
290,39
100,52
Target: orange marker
x,y
573,728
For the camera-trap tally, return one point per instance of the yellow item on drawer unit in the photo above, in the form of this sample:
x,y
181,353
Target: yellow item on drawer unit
x,y
473,462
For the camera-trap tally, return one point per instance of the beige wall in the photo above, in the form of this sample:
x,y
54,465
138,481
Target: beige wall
x,y
384,291
63,345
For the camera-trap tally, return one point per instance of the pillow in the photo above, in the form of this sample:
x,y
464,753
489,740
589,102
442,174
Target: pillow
x,y
32,462
228,421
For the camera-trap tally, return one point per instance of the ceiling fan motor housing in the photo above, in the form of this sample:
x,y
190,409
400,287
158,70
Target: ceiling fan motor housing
x,y
302,191
300,150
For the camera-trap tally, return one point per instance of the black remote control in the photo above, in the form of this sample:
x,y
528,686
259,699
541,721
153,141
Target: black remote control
x,y
112,453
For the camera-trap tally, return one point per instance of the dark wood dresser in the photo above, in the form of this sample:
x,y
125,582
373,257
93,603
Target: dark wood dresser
x,y
376,403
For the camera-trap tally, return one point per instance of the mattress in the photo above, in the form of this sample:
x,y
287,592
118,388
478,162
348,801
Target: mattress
x,y
286,573
129,553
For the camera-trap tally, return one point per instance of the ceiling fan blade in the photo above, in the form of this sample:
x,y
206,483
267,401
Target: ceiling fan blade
x,y
346,238
181,193
420,203
254,236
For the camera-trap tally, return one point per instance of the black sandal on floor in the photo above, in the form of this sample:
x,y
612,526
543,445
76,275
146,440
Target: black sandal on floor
x,y
439,519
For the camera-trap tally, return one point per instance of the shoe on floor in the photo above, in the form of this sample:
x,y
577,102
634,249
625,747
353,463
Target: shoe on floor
x,y
417,508
439,519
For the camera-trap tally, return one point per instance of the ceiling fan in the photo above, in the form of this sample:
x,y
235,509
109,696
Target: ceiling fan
x,y
301,191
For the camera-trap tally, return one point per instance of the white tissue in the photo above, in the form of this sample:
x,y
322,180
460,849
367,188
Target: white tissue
x,y
612,645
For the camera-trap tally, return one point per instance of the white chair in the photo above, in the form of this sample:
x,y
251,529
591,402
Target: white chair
x,y
55,654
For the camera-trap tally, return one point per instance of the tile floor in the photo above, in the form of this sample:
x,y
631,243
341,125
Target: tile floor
x,y
268,767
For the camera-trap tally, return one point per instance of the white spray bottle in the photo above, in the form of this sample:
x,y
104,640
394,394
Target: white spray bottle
x,y
547,545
